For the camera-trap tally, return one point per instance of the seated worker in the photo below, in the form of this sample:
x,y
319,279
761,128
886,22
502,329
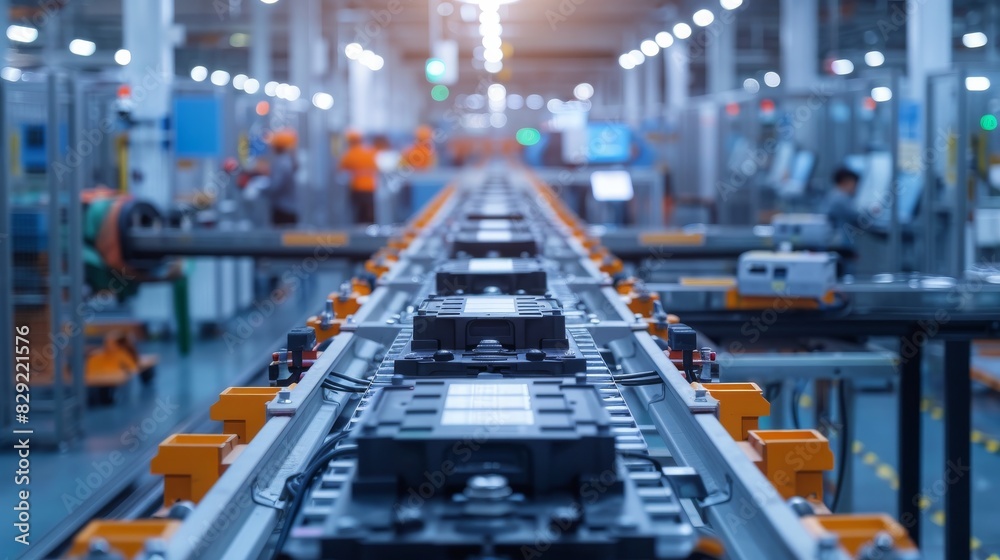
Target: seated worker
x,y
839,204
421,154
360,161
280,186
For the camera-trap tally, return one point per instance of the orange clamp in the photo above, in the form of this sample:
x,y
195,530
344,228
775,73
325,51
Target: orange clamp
x,y
243,410
740,407
793,460
855,531
128,538
192,463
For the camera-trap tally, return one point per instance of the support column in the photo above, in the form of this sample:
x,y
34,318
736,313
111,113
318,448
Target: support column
x,y
147,29
307,64
721,52
799,43
928,49
4,22
260,42
631,97
676,61
652,80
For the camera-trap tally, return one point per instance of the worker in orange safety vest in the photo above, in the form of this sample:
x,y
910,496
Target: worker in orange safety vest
x,y
359,161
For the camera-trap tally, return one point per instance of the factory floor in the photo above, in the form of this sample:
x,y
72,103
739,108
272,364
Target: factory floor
x,y
123,433
183,386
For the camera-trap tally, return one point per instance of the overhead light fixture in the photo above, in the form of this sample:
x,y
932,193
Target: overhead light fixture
x,y
534,102
353,51
496,92
220,77
490,29
682,31
492,42
82,47
974,40
199,73
625,61
493,55
123,57
772,79
842,67
322,100
637,56
251,86
751,85
271,89
874,58
730,4
376,63
664,39
977,83
881,94
239,81
649,47
583,91
703,18
493,67
10,73
22,33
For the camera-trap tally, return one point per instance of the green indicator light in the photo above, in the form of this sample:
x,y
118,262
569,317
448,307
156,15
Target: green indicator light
x,y
988,122
439,92
434,69
528,136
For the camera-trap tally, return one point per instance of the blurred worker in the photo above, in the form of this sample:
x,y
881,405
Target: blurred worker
x,y
839,204
279,186
421,154
359,161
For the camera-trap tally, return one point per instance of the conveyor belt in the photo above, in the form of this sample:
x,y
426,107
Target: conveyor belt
x,y
493,423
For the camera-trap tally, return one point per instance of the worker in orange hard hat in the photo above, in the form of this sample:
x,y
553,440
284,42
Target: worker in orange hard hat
x,y
359,161
421,154
279,188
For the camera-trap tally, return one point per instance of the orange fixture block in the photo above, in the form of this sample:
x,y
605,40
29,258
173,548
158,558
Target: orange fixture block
x,y
642,303
191,463
125,537
243,410
345,304
322,334
360,287
793,460
740,407
855,531
612,265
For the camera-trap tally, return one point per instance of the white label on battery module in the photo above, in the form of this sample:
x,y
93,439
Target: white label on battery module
x,y
493,224
489,235
488,404
490,305
491,265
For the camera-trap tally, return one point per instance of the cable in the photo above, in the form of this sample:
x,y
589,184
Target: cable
x,y
641,383
304,479
844,430
796,396
655,462
637,374
348,378
343,388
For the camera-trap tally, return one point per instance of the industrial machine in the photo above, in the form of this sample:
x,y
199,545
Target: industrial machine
x,y
495,389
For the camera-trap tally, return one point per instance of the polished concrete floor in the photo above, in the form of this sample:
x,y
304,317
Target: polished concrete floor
x,y
144,415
